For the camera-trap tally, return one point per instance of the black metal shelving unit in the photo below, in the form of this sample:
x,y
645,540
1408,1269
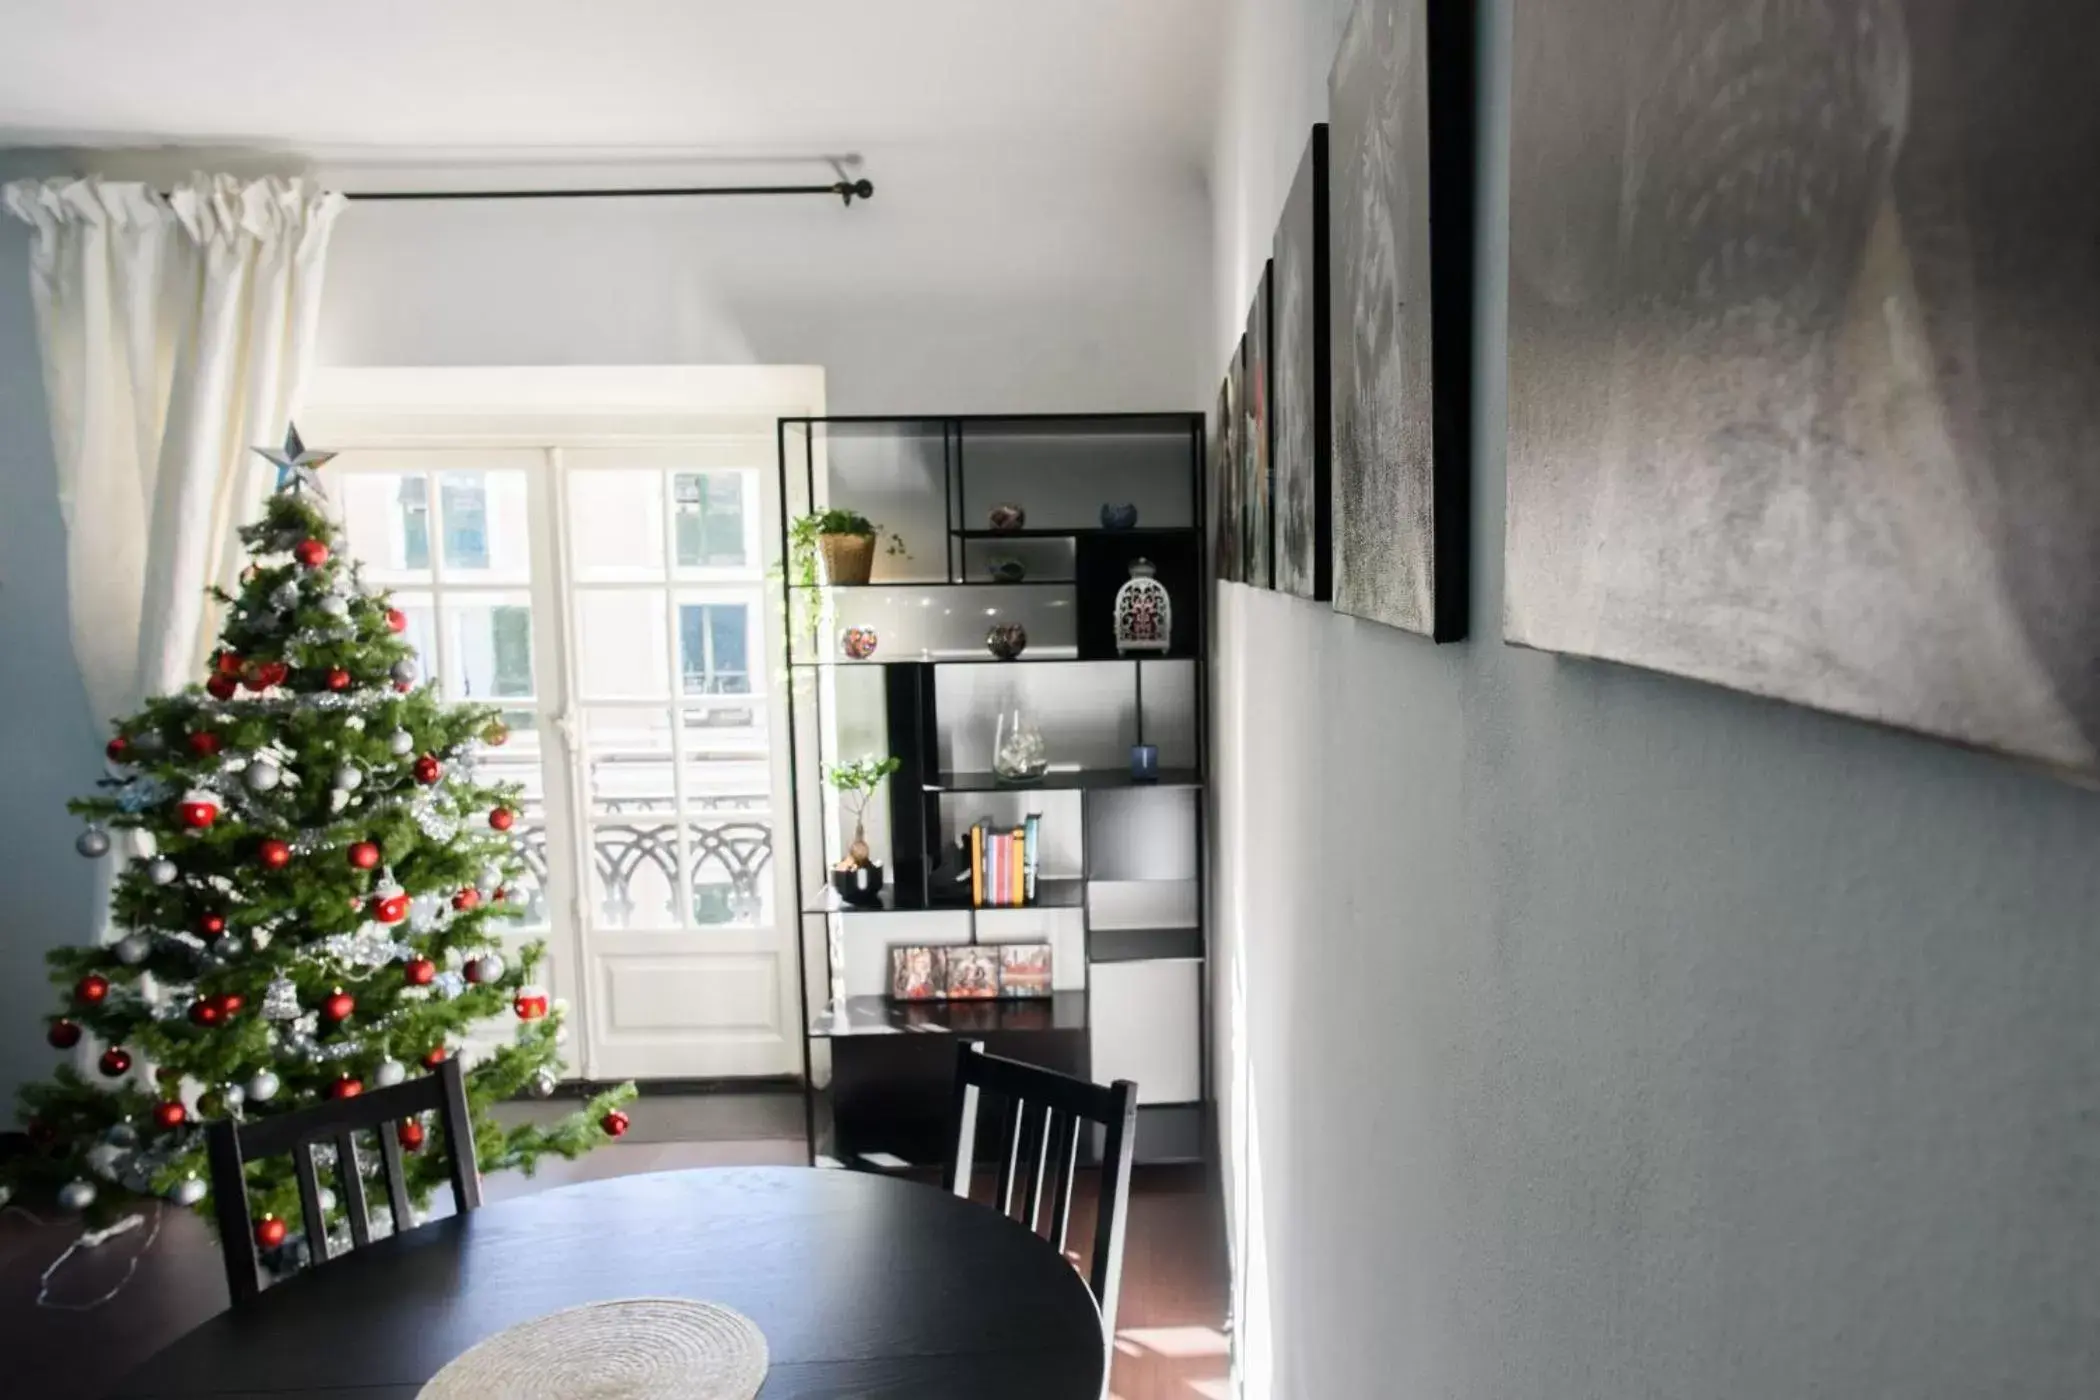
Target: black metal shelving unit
x,y
887,1098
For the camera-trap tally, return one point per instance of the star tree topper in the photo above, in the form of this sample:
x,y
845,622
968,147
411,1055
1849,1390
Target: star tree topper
x,y
296,465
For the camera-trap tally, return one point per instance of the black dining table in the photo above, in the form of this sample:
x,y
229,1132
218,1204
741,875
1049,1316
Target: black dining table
x,y
865,1286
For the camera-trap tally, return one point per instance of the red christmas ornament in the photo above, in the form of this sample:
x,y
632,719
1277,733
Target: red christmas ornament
x,y
261,675
396,620
64,1034
312,553
468,898
207,1011
118,749
91,989
338,678
231,1002
116,1062
197,810
228,664
169,1114
204,743
530,1004
390,909
499,894
364,855
428,769
434,1057
339,1005
419,971
614,1123
410,1134
345,1088
212,925
403,686
221,687
274,854
502,818
269,1232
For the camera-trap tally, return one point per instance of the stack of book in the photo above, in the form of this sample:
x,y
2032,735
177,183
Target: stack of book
x,y
1003,863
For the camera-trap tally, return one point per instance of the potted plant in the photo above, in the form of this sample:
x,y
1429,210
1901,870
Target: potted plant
x,y
858,878
837,547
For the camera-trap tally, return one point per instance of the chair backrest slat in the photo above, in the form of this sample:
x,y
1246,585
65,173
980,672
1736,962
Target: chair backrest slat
x,y
336,1123
1043,1117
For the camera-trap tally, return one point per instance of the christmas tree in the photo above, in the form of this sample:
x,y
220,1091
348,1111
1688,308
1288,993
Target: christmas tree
x,y
309,903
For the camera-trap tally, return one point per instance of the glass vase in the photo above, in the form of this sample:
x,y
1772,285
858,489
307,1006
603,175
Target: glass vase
x,y
1018,752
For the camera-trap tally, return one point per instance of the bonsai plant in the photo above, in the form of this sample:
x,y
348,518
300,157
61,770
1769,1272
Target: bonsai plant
x,y
837,547
858,877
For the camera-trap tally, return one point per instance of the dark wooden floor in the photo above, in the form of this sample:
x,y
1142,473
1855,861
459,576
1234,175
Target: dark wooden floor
x,y
1170,1340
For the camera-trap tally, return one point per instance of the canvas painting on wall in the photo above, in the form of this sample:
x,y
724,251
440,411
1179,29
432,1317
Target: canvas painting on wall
x,y
1300,469
1232,515
1400,106
1223,502
1257,545
1805,356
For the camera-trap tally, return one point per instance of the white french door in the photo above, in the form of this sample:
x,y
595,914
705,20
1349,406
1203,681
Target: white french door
x,y
613,600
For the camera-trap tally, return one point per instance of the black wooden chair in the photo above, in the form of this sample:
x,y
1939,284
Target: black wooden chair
x,y
1038,1139
337,1122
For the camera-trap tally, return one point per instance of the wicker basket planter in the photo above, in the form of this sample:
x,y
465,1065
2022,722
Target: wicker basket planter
x,y
845,559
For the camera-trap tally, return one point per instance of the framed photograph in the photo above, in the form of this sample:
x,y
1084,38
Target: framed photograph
x,y
973,973
916,974
1300,370
1401,139
1257,539
1024,970
1803,357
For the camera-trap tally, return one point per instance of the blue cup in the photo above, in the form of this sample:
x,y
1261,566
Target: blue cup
x,y
1144,762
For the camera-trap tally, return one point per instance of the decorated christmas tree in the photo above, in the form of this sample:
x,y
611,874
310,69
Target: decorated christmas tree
x,y
311,886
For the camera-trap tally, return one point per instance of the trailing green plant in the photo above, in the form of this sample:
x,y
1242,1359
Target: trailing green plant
x,y
857,783
805,530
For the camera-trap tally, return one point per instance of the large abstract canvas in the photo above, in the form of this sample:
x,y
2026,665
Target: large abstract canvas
x,y
1399,459
1224,527
1805,355
1300,467
1257,542
1229,546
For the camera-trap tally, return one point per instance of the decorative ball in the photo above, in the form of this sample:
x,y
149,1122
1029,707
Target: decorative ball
x,y
1007,517
542,1085
161,871
230,1002
1006,640
261,675
212,925
121,1135
389,1073
186,1192
338,1006
390,909
273,853
349,777
410,1135
263,1086
221,687
198,809
468,898
91,989
345,1088
76,1195
115,1062
433,1057
64,1034
203,743
403,671
262,775
170,1114
428,769
496,735
614,1123
206,1011
490,879
337,678
530,1003
364,855
226,945
269,1232
312,553
485,969
859,643
92,843
228,663
419,971
502,819
396,620
401,743
117,750
132,949
334,606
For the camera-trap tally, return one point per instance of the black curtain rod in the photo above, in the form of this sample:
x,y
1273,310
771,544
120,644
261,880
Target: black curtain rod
x,y
846,190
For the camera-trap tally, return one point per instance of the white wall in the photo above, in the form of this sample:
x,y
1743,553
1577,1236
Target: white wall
x,y
977,280
1616,1036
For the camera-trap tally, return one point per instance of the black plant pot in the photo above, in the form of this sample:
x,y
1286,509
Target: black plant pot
x,y
859,886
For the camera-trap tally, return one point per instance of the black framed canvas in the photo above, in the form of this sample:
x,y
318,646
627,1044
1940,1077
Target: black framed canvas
x,y
1222,507
1401,104
1300,468
1232,514
1257,541
1804,367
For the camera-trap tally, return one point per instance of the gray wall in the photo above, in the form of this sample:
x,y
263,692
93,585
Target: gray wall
x,y
1615,1036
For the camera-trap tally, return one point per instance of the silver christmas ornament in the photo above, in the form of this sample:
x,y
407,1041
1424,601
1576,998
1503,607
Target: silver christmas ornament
x,y
121,1135
491,877
132,949
296,464
403,672
327,1199
349,777
262,775
234,1095
486,969
285,597
543,1084
102,1160
92,843
401,743
334,605
280,1003
389,1073
338,799
76,1195
262,1086
161,871
186,1192
227,946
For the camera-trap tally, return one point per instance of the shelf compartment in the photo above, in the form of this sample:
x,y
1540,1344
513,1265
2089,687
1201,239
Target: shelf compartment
x,y
1064,780
932,621
1119,945
871,1016
1119,905
1134,532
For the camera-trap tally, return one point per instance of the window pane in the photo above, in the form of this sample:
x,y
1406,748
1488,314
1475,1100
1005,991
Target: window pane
x,y
489,645
710,519
633,866
715,643
727,765
627,761
616,525
620,644
729,871
482,516
386,523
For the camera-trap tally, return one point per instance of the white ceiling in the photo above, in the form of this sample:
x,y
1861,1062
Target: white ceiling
x,y
1132,79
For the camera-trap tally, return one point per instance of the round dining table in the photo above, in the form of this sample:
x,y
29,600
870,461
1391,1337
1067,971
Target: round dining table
x,y
864,1286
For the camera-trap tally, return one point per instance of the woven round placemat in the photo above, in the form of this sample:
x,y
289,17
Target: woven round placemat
x,y
667,1348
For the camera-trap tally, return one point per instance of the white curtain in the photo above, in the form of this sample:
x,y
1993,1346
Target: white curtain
x,y
176,331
